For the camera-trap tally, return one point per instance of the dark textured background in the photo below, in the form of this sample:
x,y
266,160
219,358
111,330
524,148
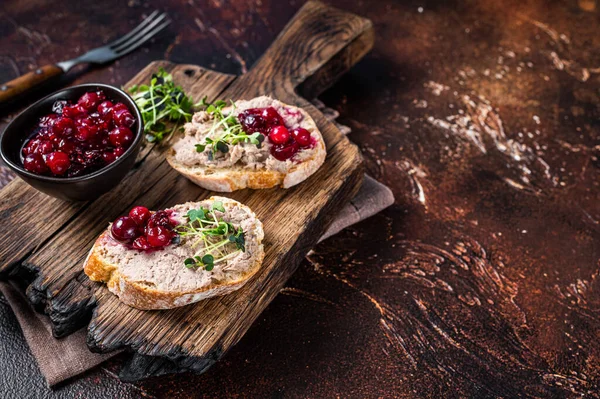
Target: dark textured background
x,y
482,279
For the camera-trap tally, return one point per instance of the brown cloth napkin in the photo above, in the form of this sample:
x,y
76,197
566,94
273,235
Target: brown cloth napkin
x,y
61,359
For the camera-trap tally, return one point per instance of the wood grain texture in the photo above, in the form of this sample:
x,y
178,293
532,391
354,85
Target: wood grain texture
x,y
193,337
12,89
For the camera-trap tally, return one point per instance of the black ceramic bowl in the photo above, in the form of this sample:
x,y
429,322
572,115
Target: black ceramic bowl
x,y
78,188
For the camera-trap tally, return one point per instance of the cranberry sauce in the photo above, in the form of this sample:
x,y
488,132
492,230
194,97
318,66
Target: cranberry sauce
x,y
77,139
144,230
286,142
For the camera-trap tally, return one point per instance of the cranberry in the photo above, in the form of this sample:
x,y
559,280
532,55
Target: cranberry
x,y
74,139
58,162
38,146
101,95
123,117
87,133
279,135
88,100
105,108
108,157
46,134
121,136
119,151
284,152
73,111
141,243
35,163
120,106
271,117
159,236
92,158
30,147
104,122
63,126
251,121
159,218
45,147
125,229
140,214
66,146
302,136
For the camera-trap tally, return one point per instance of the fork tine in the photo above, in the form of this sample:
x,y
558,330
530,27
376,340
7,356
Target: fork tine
x,y
144,39
135,30
133,40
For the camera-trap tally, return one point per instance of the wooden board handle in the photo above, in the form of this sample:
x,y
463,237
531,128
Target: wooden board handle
x,y
320,43
12,89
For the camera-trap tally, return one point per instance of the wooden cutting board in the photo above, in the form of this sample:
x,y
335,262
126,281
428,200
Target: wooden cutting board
x,y
45,241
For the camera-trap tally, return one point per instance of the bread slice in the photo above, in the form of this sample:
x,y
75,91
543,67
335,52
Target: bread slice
x,y
241,175
160,280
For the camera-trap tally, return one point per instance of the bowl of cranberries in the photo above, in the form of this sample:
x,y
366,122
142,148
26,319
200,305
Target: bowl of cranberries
x,y
75,144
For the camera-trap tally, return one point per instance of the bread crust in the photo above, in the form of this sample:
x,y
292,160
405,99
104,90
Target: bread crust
x,y
232,179
143,297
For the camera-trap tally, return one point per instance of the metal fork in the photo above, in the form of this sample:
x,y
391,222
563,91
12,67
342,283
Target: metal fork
x,y
147,29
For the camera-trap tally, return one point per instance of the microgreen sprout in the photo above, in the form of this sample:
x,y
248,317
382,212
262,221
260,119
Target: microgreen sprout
x,y
229,128
221,240
163,105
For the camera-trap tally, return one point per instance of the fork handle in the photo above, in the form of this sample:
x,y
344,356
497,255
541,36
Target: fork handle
x,y
12,89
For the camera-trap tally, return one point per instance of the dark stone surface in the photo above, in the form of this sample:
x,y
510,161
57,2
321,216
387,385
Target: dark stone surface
x,y
484,118
22,379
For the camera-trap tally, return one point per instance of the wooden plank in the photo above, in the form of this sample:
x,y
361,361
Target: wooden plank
x,y
320,41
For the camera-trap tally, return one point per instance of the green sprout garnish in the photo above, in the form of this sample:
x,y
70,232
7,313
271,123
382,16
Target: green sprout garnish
x,y
163,105
233,132
222,240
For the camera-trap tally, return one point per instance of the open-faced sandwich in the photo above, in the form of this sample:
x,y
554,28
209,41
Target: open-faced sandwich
x,y
258,143
177,256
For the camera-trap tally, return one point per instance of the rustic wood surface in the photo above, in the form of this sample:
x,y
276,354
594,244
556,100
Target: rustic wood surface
x,y
481,281
195,336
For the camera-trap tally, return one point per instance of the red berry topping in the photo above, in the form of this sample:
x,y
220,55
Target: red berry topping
x,y
88,100
271,116
159,236
285,151
144,230
45,147
120,136
73,111
63,126
140,214
35,163
67,146
58,162
251,120
120,106
30,147
141,243
118,151
85,134
105,108
159,218
123,117
125,229
108,157
301,136
279,135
